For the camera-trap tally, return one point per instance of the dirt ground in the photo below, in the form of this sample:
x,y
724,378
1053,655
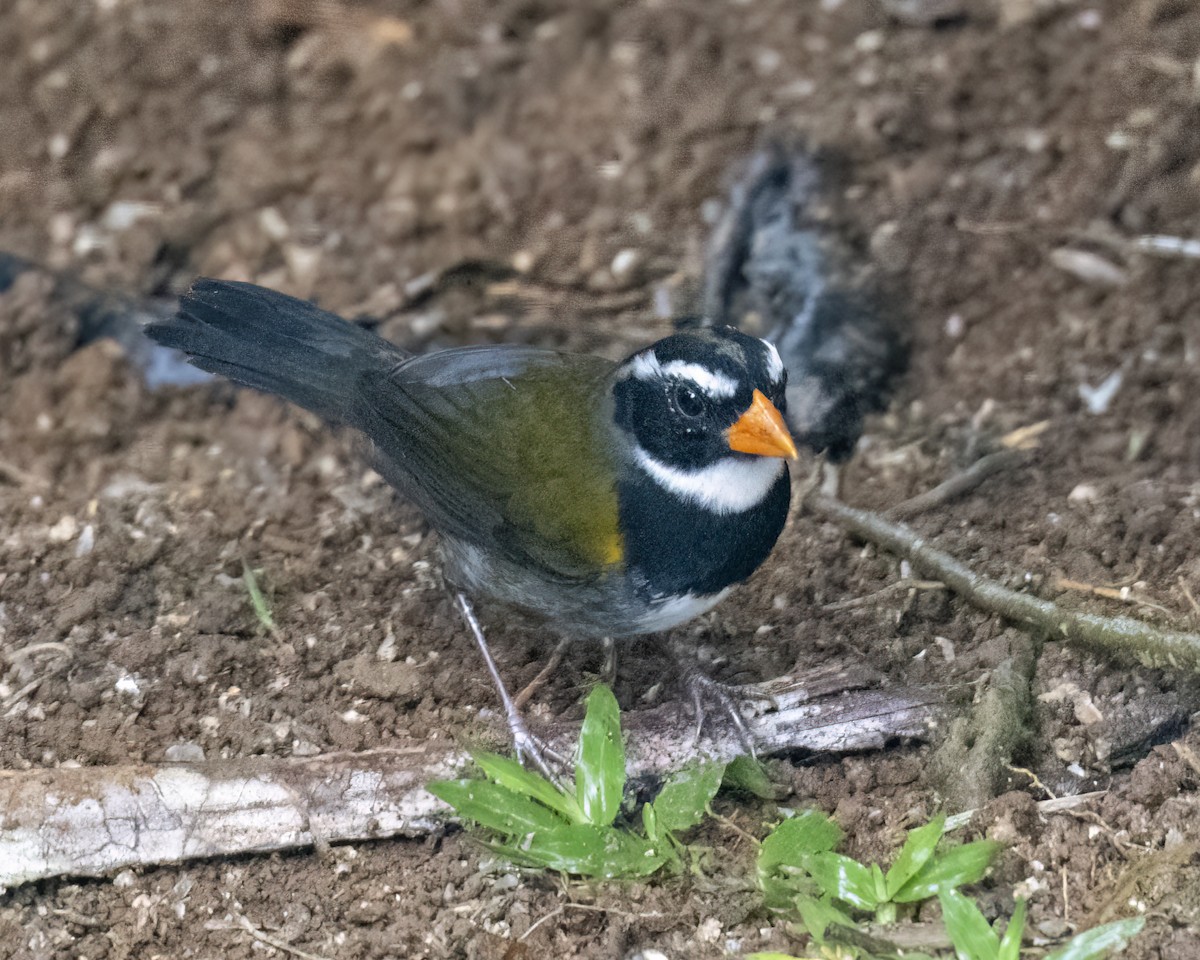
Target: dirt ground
x,y
997,165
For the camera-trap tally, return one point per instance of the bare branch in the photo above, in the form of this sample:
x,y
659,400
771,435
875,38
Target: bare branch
x,y
1120,636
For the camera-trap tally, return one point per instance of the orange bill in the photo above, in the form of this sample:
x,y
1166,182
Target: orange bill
x,y
761,431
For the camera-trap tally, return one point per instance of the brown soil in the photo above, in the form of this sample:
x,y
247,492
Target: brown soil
x,y
322,152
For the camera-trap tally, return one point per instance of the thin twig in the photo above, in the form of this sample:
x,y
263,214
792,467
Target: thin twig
x,y
957,485
590,908
544,674
556,912
1053,805
1187,592
241,923
899,586
1122,636
22,478
1187,754
1121,594
12,656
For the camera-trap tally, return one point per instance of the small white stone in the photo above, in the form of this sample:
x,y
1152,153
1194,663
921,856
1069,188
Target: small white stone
x,y
869,41
624,262
186,752
123,214
127,684
66,529
709,930
272,223
87,541
1083,493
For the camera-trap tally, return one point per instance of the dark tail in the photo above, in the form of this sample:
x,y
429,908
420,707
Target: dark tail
x,y
275,343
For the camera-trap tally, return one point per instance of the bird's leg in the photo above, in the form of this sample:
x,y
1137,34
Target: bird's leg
x,y
528,746
701,687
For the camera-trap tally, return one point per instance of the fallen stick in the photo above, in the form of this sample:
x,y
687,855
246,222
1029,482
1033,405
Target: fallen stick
x,y
92,821
957,485
1120,636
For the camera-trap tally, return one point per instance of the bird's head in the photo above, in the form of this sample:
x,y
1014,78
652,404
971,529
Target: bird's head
x,y
703,410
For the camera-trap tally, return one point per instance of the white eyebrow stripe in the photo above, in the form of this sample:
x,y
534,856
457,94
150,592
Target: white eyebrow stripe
x,y
716,385
774,363
645,366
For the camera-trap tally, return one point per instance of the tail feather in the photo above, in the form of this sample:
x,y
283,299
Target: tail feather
x,y
275,343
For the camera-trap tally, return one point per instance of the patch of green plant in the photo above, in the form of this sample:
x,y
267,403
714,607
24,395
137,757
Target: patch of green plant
x,y
800,873
831,894
534,822
975,939
262,609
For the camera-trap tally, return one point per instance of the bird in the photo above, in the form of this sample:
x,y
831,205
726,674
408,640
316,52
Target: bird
x,y
608,499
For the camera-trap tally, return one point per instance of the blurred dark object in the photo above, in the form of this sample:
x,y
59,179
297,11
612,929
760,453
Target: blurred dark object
x,y
121,317
776,269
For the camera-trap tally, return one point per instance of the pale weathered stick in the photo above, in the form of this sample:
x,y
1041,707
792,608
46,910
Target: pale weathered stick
x,y
91,821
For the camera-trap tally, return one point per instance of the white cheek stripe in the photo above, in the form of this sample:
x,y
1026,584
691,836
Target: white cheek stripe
x,y
732,485
646,366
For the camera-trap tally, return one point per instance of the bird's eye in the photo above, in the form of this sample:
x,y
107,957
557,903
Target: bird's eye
x,y
687,401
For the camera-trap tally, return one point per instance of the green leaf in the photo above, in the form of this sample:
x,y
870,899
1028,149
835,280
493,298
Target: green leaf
x,y
818,915
496,807
879,883
946,871
1099,940
650,822
682,800
509,773
843,878
1010,943
262,609
969,931
770,956
749,775
600,771
809,831
591,851
918,848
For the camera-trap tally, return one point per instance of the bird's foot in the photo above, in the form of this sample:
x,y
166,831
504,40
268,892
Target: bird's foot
x,y
533,750
728,700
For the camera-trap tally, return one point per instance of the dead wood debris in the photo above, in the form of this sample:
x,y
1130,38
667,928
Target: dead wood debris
x,y
92,821
1114,636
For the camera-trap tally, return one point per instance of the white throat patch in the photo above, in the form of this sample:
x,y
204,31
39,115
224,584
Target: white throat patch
x,y
732,485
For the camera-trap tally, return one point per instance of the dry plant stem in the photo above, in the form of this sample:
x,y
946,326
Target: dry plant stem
x,y
958,484
91,821
1122,636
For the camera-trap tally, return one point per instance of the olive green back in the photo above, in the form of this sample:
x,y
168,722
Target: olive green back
x,y
509,448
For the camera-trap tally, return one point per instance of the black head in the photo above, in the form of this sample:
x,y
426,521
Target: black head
x,y
680,398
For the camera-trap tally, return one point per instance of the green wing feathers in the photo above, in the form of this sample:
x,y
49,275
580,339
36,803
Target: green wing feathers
x,y
504,446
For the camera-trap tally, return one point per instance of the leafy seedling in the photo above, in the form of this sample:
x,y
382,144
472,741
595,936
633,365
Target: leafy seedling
x,y
975,939
533,822
800,873
262,609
